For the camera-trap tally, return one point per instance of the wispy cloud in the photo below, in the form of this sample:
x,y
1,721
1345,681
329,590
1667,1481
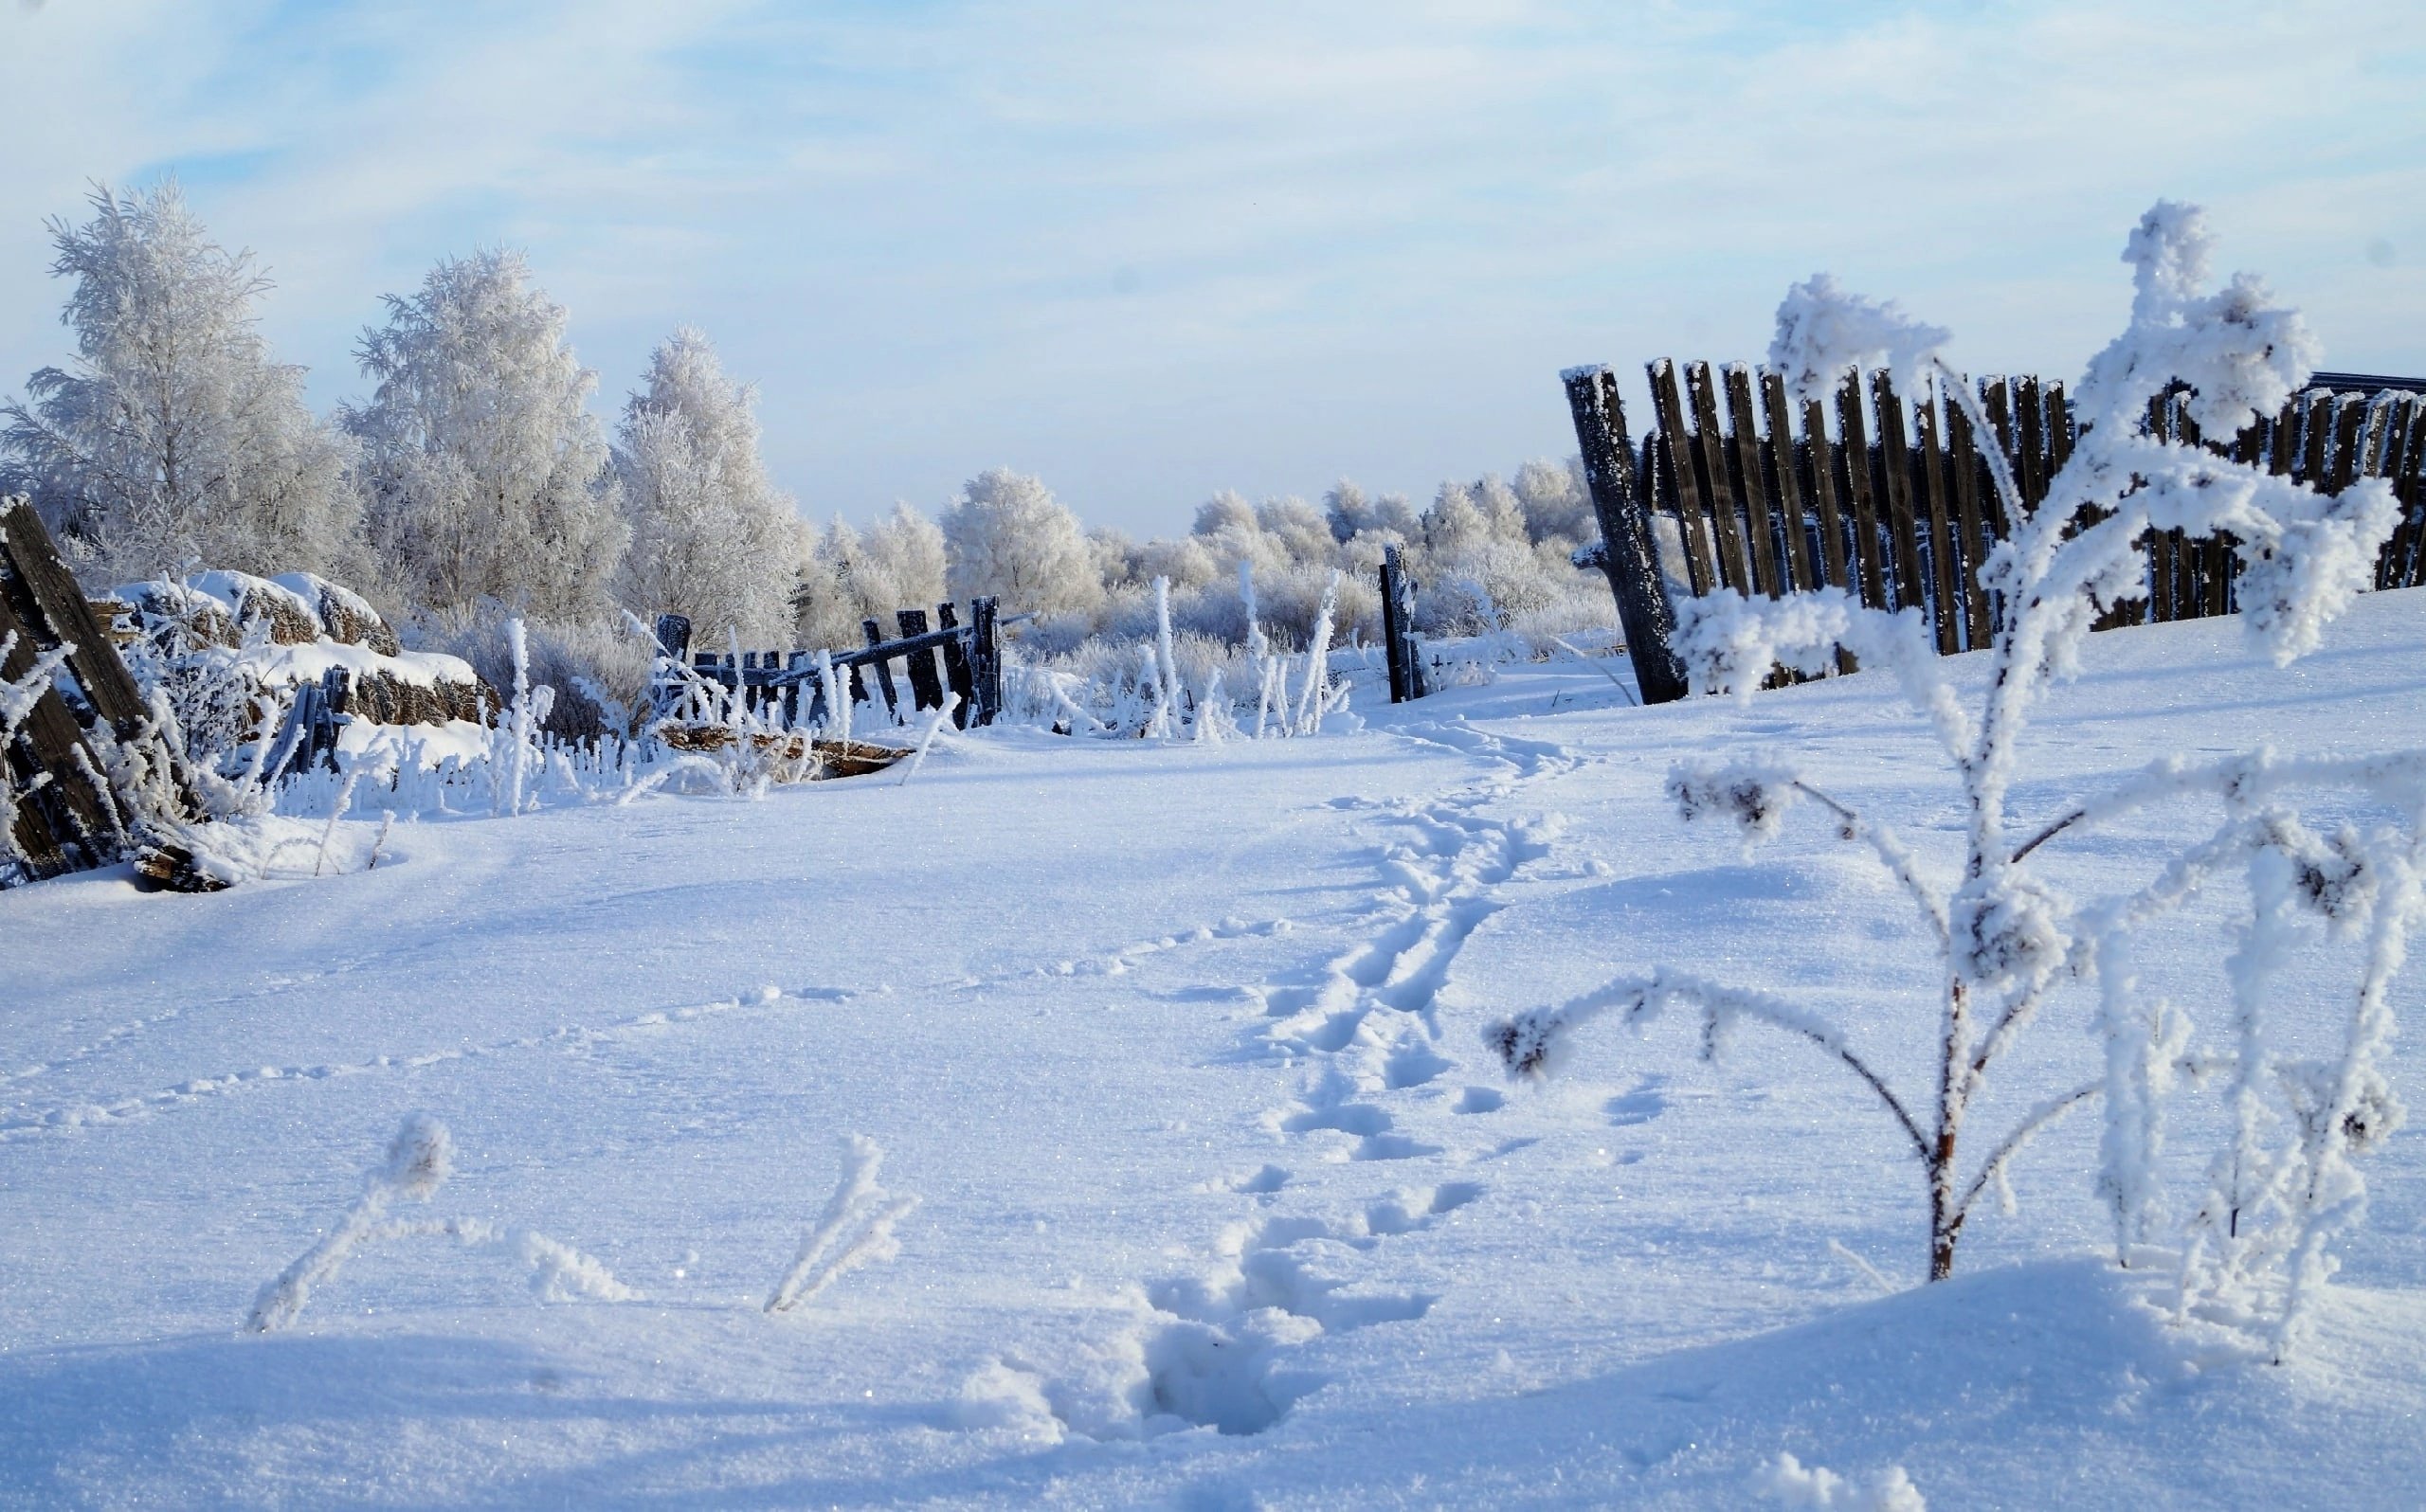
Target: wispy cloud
x,y
1149,251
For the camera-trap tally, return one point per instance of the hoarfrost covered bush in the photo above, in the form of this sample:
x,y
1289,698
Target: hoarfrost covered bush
x,y
419,1160
2254,1248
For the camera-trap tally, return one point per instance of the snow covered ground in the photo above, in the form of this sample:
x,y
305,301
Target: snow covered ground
x,y
1223,1202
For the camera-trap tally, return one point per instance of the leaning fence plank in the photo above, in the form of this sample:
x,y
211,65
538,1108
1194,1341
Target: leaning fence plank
x,y
882,666
2031,421
1782,465
926,687
1962,460
65,823
1995,399
61,603
2316,437
1855,452
2409,488
1895,462
957,674
1743,473
1928,476
1630,554
1824,493
2349,419
1708,457
1690,508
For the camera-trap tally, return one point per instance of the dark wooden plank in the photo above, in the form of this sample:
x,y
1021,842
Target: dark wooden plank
x,y
2060,430
1928,477
1743,477
1630,553
1854,454
2409,488
1995,399
2030,420
882,666
1780,463
2349,419
2200,557
1822,458
103,678
2392,566
986,660
926,684
957,675
2316,438
1895,466
65,823
2159,544
1693,512
1963,460
1706,452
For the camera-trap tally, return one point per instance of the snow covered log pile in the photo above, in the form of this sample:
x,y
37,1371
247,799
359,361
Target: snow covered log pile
x,y
283,632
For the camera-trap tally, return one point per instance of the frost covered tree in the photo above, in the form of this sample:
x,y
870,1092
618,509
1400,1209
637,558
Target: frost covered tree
x,y
1008,536
846,577
2006,938
712,537
174,436
481,462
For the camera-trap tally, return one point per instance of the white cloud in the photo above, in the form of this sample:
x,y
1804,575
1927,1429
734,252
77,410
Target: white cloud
x,y
1153,250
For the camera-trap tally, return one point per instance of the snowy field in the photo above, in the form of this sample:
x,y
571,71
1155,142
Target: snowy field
x,y
1223,1201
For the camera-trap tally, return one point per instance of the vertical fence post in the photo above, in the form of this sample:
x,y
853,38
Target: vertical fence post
x,y
926,687
957,672
1405,655
883,675
984,660
1631,555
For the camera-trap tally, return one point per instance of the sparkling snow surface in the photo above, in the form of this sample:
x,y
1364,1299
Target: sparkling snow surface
x,y
1223,1202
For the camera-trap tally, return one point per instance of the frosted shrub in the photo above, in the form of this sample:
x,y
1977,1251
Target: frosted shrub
x,y
2254,1248
420,1158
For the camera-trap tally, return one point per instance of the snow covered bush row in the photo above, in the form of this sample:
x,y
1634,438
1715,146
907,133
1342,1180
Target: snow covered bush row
x,y
2254,1244
472,485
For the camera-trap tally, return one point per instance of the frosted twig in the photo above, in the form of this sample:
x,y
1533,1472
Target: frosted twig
x,y
855,1228
935,723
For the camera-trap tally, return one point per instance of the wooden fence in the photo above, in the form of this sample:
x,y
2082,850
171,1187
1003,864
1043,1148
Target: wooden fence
x,y
786,682
68,817
1404,652
1893,503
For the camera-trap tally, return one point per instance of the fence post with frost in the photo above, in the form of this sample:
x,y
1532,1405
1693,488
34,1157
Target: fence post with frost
x,y
1629,554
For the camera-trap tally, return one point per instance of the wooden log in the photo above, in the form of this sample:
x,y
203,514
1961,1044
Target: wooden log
x,y
1854,454
957,675
1744,481
1928,477
882,666
1896,464
1693,512
925,685
1969,473
1630,556
1786,476
1706,453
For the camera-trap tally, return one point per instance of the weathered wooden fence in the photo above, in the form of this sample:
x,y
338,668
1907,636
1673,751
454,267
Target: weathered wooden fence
x,y
1894,501
67,817
785,683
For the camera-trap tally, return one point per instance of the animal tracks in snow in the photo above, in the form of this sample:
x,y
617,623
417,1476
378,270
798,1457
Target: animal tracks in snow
x,y
1219,1346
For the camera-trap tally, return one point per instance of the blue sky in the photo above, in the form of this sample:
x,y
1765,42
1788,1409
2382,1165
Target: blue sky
x,y
1148,251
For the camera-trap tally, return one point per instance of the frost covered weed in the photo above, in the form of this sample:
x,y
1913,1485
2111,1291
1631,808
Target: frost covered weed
x,y
1182,684
419,1160
2253,1249
854,1229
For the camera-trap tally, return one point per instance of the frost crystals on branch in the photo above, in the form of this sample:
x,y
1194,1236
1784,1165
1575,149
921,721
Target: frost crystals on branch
x,y
855,1228
2284,1185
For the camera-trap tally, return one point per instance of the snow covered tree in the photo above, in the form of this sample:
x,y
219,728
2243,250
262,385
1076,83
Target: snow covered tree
x,y
174,436
1008,536
2005,938
481,462
712,537
846,577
